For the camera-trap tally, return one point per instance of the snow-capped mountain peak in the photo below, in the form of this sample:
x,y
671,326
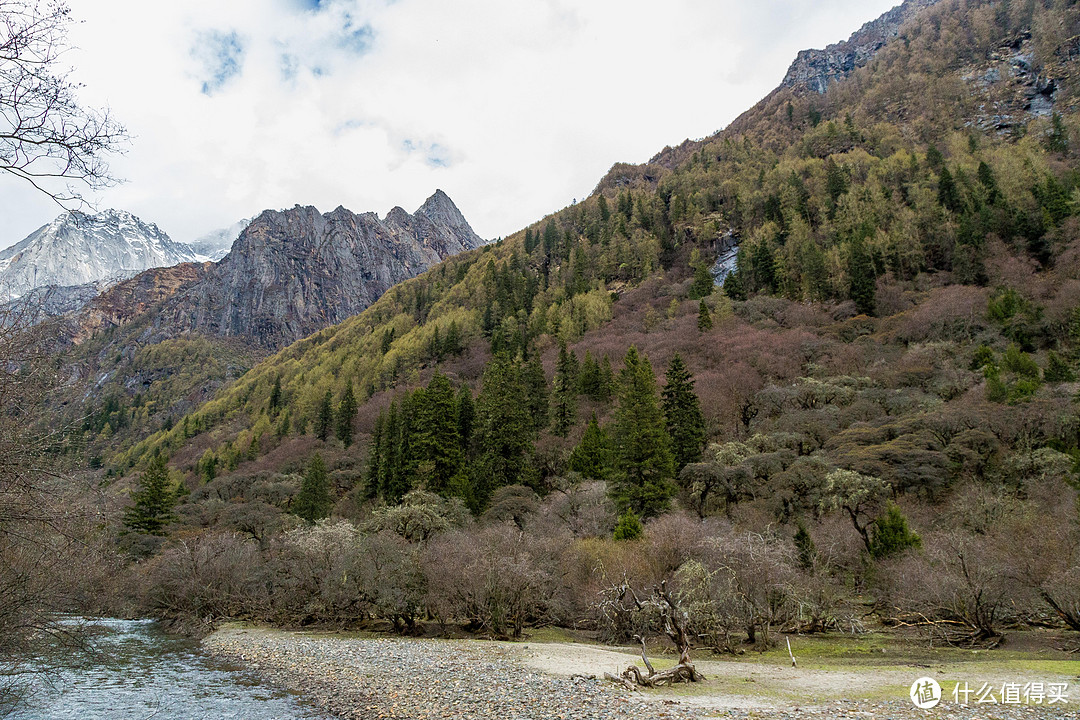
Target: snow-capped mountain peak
x,y
78,248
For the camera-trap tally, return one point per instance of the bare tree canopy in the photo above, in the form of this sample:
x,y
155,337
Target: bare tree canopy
x,y
45,134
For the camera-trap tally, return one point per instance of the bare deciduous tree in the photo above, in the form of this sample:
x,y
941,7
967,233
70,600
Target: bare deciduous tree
x,y
44,531
46,135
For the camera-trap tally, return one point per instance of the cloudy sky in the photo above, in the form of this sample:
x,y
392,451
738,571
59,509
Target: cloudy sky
x,y
513,107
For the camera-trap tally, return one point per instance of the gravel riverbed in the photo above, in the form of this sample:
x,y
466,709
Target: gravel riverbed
x,y
367,678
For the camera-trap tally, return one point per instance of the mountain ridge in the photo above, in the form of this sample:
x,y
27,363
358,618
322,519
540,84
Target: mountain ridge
x,y
77,249
292,272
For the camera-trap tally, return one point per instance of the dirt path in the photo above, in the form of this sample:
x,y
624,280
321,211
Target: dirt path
x,y
746,684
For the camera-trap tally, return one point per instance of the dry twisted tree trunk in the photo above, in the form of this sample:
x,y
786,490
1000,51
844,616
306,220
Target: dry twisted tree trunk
x,y
675,628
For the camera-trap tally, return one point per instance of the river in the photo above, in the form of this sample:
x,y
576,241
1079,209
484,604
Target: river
x,y
138,672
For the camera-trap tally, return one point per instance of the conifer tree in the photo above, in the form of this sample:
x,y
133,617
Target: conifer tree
x,y
702,286
704,318
375,458
438,445
948,194
608,386
1057,370
466,418
346,412
682,415
592,456
644,469
504,429
589,380
283,424
154,500
403,471
564,397
629,527
536,392
275,395
452,342
208,466
863,288
313,502
324,418
605,213
804,546
388,453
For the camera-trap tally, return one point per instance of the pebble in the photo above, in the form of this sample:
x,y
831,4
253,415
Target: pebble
x,y
394,678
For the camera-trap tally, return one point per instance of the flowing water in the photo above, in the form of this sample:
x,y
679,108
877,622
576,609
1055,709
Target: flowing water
x,y
138,672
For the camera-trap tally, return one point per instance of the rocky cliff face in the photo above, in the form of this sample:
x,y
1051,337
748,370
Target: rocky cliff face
x,y
130,298
78,249
815,70
296,271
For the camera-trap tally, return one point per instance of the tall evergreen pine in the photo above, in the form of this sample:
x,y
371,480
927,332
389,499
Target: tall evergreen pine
x,y
313,502
504,429
564,396
346,413
704,318
375,458
536,392
682,415
438,444
863,280
154,500
592,456
324,419
644,468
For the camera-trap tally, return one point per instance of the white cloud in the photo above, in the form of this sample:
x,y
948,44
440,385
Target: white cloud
x,y
512,108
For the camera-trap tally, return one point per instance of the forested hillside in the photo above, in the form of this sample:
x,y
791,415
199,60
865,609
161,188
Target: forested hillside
x,y
884,387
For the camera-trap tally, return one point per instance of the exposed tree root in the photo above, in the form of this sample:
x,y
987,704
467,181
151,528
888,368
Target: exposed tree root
x,y
674,621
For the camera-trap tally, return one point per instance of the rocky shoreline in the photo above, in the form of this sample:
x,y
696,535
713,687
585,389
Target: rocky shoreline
x,y
365,678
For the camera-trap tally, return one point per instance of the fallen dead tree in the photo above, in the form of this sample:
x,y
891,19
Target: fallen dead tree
x,y
672,619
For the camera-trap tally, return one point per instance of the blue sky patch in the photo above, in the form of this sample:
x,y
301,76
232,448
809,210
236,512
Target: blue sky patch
x,y
434,154
222,57
357,36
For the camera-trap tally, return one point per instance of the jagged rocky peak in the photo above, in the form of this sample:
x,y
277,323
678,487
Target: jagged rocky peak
x,y
293,272
440,208
78,249
815,70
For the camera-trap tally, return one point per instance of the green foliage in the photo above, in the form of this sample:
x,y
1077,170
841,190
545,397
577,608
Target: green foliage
x,y
564,395
642,480
437,444
704,318
948,194
275,395
682,414
345,416
324,416
592,457
702,286
1057,140
983,356
891,534
1057,369
804,546
536,392
314,502
154,500
504,430
862,281
629,527
208,466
